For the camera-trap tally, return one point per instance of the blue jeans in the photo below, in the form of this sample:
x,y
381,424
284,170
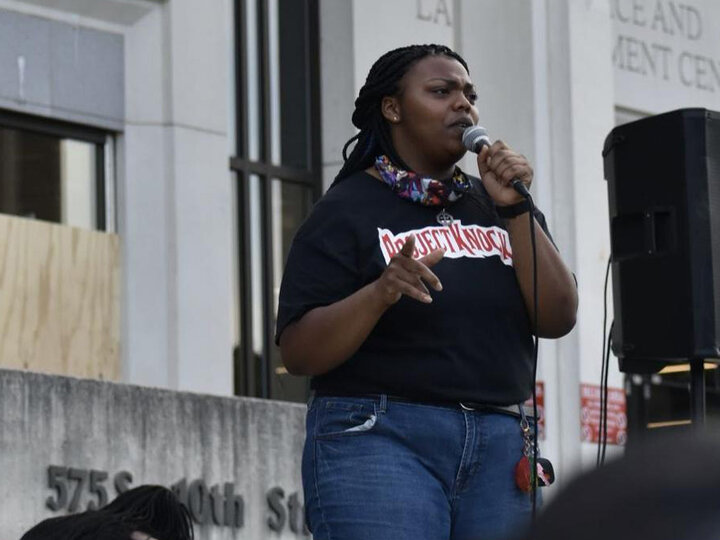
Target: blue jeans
x,y
379,470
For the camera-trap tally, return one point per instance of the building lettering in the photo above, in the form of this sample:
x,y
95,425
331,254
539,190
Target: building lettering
x,y
659,59
77,489
668,17
640,57
292,513
435,11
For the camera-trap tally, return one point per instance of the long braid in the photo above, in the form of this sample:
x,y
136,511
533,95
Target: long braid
x,y
383,80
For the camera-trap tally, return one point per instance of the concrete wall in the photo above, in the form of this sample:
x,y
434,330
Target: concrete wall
x,y
65,71
159,437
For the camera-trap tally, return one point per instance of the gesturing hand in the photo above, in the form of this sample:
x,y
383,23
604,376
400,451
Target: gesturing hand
x,y
405,275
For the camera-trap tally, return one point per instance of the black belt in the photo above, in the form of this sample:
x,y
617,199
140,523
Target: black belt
x,y
513,410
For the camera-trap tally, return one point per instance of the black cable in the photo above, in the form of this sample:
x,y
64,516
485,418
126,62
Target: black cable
x,y
603,375
602,425
533,474
607,367
534,323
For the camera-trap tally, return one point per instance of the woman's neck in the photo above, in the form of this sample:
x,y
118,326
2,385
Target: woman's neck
x,y
441,173
429,170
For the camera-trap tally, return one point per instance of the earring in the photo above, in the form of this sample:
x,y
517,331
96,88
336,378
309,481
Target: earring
x,y
395,118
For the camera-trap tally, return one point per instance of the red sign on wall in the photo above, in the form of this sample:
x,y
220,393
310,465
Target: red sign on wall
x,y
540,393
590,414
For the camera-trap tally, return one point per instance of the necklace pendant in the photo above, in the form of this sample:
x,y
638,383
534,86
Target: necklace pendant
x,y
444,219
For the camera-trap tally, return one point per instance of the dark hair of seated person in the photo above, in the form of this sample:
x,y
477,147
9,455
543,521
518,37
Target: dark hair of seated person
x,y
147,509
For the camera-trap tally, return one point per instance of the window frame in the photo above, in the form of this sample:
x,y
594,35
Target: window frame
x,y
253,377
69,130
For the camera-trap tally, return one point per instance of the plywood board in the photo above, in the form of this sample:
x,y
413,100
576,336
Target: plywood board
x,y
59,299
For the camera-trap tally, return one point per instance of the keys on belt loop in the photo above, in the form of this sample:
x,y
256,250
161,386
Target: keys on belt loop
x,y
524,424
527,471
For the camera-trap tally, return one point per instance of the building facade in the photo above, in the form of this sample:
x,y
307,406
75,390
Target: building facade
x,y
156,157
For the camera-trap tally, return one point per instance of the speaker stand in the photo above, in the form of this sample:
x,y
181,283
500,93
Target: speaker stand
x,y
697,392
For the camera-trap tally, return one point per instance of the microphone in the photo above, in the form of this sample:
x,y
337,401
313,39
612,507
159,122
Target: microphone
x,y
474,138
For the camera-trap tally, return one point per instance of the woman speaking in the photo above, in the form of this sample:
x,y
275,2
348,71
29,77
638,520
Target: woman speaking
x,y
408,297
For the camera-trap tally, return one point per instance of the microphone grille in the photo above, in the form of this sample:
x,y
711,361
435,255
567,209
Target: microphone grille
x,y
473,138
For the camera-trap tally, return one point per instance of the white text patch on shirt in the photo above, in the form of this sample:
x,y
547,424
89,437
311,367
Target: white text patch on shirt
x,y
458,240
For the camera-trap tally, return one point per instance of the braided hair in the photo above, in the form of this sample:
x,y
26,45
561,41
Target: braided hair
x,y
383,80
152,510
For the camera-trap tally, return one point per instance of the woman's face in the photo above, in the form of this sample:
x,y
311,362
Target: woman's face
x,y
435,104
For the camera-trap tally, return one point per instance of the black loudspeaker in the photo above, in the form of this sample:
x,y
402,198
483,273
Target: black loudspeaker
x,y
663,176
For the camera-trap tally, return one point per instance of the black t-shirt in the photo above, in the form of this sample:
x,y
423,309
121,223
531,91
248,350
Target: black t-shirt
x,y
472,343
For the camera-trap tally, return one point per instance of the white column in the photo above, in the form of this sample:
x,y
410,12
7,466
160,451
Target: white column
x,y
581,113
177,207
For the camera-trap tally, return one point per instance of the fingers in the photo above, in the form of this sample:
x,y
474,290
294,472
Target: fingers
x,y
408,247
411,270
482,160
432,258
406,289
490,156
503,164
512,167
399,281
407,276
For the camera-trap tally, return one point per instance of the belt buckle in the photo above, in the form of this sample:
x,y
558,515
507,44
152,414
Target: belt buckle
x,y
466,407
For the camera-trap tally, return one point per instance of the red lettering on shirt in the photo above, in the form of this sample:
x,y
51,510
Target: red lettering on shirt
x,y
425,235
506,253
458,240
448,239
491,237
484,241
472,239
388,244
421,245
437,237
455,231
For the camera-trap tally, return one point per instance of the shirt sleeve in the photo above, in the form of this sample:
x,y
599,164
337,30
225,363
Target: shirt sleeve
x,y
322,265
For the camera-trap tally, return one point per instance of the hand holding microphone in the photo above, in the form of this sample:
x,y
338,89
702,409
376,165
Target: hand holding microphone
x,y
505,174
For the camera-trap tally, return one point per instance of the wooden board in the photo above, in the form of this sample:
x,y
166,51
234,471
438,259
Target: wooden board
x,y
59,299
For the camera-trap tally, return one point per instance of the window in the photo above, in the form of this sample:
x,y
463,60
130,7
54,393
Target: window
x,y
54,171
277,167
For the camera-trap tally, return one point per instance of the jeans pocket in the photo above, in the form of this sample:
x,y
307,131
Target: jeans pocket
x,y
340,418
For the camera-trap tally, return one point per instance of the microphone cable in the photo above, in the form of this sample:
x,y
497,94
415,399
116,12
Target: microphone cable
x,y
474,138
604,370
536,340
522,190
605,392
